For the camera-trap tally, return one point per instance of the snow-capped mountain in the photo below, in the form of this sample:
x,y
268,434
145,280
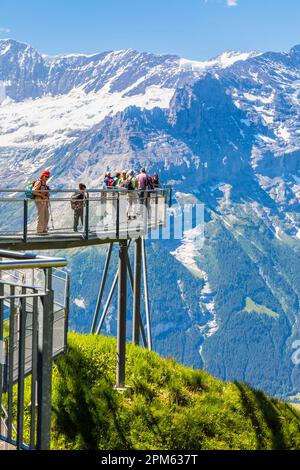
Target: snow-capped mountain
x,y
226,131
51,103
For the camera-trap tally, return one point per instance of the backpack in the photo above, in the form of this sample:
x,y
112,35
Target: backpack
x,y
134,182
109,182
130,184
150,184
28,190
75,201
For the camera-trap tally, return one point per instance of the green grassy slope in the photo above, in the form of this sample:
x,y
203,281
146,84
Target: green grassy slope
x,y
167,407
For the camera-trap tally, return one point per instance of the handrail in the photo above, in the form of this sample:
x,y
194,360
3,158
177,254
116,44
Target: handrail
x,y
103,190
29,261
104,213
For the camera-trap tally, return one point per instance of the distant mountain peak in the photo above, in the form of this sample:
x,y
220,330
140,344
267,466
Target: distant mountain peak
x,y
224,60
295,49
15,44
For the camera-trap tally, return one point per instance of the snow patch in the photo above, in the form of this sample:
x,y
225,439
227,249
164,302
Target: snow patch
x,y
79,302
53,121
223,61
283,133
188,251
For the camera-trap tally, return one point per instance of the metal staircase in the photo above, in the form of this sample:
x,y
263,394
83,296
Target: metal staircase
x,y
34,304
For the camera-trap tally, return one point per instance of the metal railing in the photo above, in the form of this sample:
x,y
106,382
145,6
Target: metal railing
x,y
33,331
107,213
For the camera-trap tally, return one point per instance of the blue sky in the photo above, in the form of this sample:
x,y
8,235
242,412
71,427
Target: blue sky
x,y
195,29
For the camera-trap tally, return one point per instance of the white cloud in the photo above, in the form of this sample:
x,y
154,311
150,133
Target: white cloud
x,y
4,30
232,3
229,3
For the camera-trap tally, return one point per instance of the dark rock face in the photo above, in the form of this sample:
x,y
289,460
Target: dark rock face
x,y
23,69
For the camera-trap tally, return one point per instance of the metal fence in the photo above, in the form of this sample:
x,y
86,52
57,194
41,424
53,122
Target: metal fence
x,y
34,303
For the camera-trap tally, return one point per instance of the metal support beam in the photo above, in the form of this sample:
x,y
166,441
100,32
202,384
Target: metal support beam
x,y
108,302
67,310
122,307
34,359
1,346
137,291
21,372
44,372
25,221
102,286
147,305
111,293
118,217
170,197
87,217
11,362
139,318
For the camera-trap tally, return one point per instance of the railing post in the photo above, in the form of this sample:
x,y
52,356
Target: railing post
x,y
21,372
156,209
44,373
87,215
171,197
1,346
34,360
25,221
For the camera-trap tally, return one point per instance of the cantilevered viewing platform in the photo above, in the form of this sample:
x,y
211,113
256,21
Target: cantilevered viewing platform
x,y
108,216
35,292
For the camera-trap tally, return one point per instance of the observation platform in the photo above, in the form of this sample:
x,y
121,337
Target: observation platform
x,y
108,216
35,291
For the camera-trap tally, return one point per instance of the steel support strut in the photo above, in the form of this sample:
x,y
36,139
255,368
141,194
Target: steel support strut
x,y
147,305
139,318
122,307
101,291
106,307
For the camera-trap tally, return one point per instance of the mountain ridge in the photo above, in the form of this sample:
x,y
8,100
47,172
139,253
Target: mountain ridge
x,y
228,137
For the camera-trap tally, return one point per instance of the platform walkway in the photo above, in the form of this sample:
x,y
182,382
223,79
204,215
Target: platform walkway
x,y
109,216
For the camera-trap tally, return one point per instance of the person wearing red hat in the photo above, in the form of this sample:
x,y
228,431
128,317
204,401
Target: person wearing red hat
x,y
41,197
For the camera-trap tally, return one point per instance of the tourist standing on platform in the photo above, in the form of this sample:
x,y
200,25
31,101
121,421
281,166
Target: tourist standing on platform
x,y
123,180
142,180
131,181
108,184
108,181
41,194
131,186
150,184
78,204
117,179
156,182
